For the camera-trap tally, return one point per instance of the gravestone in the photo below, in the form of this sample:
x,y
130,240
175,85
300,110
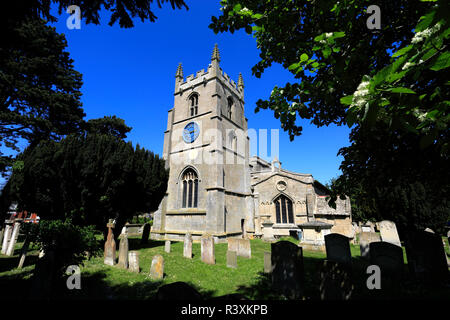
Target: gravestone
x,y
231,259
123,251
23,253
133,261
389,257
388,232
7,235
14,236
167,246
365,238
287,269
267,262
187,247
335,281
145,233
426,257
178,291
157,268
242,247
110,246
338,249
207,249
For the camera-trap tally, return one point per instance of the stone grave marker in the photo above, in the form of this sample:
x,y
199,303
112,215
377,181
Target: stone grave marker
x,y
177,291
14,236
187,247
157,268
110,246
7,235
267,262
389,257
365,238
388,232
167,246
242,247
145,233
287,269
207,249
338,249
426,257
335,281
133,261
231,259
123,251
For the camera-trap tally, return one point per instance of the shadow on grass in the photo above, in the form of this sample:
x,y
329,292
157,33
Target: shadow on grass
x,y
10,263
136,244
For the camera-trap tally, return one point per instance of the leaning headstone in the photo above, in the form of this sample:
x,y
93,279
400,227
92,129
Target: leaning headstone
x,y
167,246
178,291
187,246
123,251
338,249
157,268
133,261
365,238
426,257
231,259
207,249
335,281
388,232
287,269
23,253
110,246
267,262
14,236
7,235
145,233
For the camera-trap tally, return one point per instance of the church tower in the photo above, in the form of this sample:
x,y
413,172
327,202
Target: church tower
x,y
206,149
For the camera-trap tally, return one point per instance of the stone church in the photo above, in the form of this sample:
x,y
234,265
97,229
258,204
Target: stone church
x,y
214,185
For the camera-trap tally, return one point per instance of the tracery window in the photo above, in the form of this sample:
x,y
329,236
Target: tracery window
x,y
283,210
193,105
189,189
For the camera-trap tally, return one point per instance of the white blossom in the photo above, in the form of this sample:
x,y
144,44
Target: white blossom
x,y
422,35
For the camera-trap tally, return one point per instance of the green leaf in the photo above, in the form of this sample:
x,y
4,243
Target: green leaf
x,y
304,57
400,90
347,100
402,51
442,62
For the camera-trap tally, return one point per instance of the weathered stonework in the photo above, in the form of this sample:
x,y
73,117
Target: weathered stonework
x,y
235,195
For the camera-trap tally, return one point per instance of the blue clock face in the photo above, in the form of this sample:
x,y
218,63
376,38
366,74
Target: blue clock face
x,y
191,132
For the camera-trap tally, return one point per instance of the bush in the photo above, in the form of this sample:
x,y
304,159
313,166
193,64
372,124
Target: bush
x,y
70,243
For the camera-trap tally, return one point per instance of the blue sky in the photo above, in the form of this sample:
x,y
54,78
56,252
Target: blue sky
x,y
130,73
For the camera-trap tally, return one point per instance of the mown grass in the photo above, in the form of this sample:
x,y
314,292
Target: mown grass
x,y
100,281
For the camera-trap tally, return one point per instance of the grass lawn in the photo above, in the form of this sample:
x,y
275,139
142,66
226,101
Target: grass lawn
x,y
100,281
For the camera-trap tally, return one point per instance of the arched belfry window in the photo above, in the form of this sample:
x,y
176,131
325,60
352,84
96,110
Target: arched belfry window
x,y
193,105
230,107
283,209
189,189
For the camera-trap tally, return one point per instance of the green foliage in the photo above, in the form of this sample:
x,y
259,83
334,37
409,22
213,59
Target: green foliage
x,y
69,243
122,11
39,89
325,44
412,93
108,125
90,179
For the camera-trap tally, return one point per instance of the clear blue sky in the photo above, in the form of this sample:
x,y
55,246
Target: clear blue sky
x,y
130,73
